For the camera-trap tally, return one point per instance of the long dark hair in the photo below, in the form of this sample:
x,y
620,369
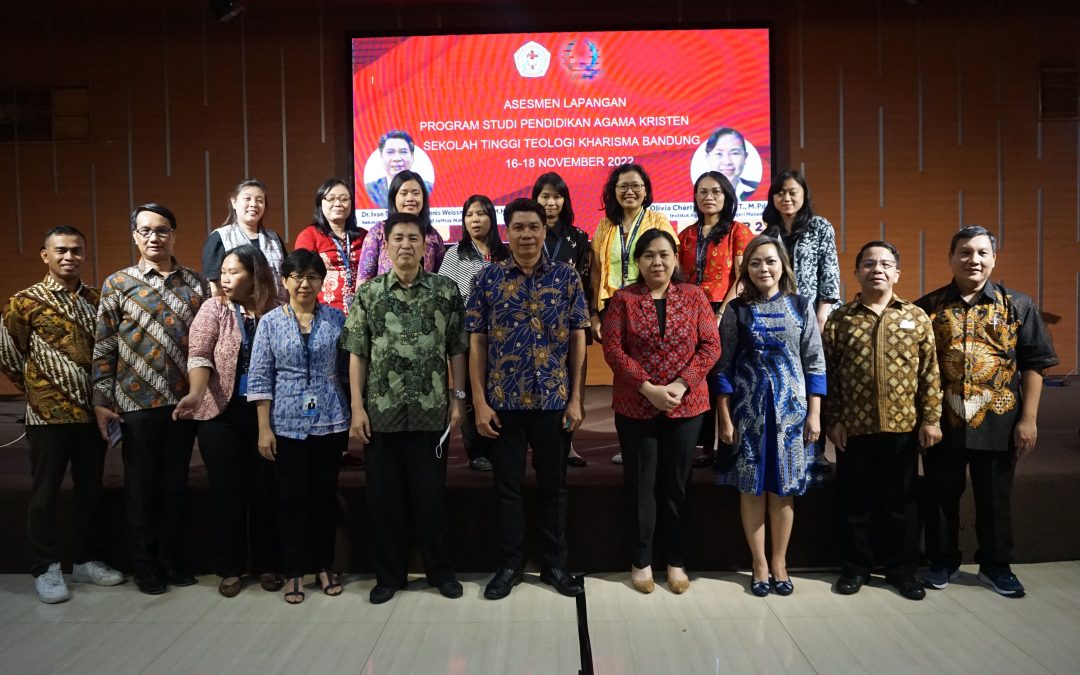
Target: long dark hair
x,y
493,240
240,187
772,217
727,213
612,209
391,198
264,290
556,182
320,219
643,242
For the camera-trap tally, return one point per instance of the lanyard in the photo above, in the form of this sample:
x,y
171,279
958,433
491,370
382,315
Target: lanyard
x,y
486,257
245,342
625,243
306,344
345,252
558,247
702,246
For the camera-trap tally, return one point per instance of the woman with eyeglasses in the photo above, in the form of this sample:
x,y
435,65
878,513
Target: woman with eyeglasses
x,y
569,244
297,379
626,198
243,225
479,247
710,252
335,236
810,241
407,194
241,480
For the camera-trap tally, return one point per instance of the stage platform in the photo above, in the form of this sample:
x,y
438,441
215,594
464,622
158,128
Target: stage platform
x,y
1046,504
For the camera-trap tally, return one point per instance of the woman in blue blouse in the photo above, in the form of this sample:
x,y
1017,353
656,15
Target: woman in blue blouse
x,y
296,378
769,380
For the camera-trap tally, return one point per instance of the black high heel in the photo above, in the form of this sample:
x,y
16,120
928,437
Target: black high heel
x,y
332,587
295,596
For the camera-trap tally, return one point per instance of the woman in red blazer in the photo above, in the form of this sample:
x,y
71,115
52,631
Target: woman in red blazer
x,y
660,339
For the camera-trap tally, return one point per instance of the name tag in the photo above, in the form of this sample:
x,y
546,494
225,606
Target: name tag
x,y
907,323
309,406
241,388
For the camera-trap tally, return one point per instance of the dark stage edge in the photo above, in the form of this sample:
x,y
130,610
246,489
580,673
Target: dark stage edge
x,y
1046,505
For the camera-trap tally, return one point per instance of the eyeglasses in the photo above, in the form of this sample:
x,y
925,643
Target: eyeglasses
x,y
870,264
161,232
629,187
311,279
344,201
715,192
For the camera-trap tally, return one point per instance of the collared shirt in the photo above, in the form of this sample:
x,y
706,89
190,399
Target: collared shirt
x,y
406,335
289,369
719,271
527,319
983,346
46,343
883,372
140,350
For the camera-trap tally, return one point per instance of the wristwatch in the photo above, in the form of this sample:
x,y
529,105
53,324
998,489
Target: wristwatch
x,y
459,394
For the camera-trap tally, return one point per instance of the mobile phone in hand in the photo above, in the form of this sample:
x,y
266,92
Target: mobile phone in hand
x,y
113,427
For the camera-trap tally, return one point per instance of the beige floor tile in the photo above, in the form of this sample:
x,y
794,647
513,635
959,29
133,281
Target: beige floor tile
x,y
611,597
529,601
814,596
84,648
506,648
697,646
256,605
899,643
17,596
265,648
1049,586
1051,637
124,603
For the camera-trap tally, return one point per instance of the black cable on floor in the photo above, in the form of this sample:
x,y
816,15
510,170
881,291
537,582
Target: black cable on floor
x,y
584,643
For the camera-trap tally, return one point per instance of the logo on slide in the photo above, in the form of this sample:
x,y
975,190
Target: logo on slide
x,y
582,61
532,60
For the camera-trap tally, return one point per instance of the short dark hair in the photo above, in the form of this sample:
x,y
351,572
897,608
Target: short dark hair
x,y
153,207
647,237
723,131
494,242
727,214
400,179
877,244
523,205
970,232
398,134
566,215
320,219
62,231
302,259
402,219
612,209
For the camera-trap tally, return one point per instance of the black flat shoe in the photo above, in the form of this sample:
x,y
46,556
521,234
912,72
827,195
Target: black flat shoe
x,y
909,588
502,583
849,584
150,582
578,462
760,588
784,587
451,589
295,595
564,582
332,587
381,594
175,577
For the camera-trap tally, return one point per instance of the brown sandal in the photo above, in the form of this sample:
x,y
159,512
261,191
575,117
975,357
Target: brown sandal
x,y
230,589
270,582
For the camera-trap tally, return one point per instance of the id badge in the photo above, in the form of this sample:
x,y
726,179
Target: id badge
x,y
309,405
242,387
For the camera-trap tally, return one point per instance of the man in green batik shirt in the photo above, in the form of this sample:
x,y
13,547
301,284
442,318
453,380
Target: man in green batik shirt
x,y
402,328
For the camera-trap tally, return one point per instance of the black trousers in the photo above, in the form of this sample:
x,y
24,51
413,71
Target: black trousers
x,y
657,455
404,474
306,475
157,452
241,490
542,431
52,448
991,480
878,504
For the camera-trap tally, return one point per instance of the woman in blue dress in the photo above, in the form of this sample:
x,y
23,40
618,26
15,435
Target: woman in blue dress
x,y
769,383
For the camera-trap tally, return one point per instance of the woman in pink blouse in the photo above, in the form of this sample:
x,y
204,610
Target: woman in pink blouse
x,y
407,194
336,238
241,481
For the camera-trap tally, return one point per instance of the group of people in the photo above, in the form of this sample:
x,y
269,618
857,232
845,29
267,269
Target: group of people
x,y
273,359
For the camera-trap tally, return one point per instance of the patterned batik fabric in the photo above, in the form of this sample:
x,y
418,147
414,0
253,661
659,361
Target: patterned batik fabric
x,y
46,344
140,350
771,360
883,372
527,320
983,346
817,268
720,271
406,335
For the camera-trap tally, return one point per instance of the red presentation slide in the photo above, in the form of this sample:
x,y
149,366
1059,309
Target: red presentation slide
x,y
489,113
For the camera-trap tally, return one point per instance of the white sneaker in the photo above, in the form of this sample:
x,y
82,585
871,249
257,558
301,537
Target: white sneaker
x,y
51,587
96,572
617,459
